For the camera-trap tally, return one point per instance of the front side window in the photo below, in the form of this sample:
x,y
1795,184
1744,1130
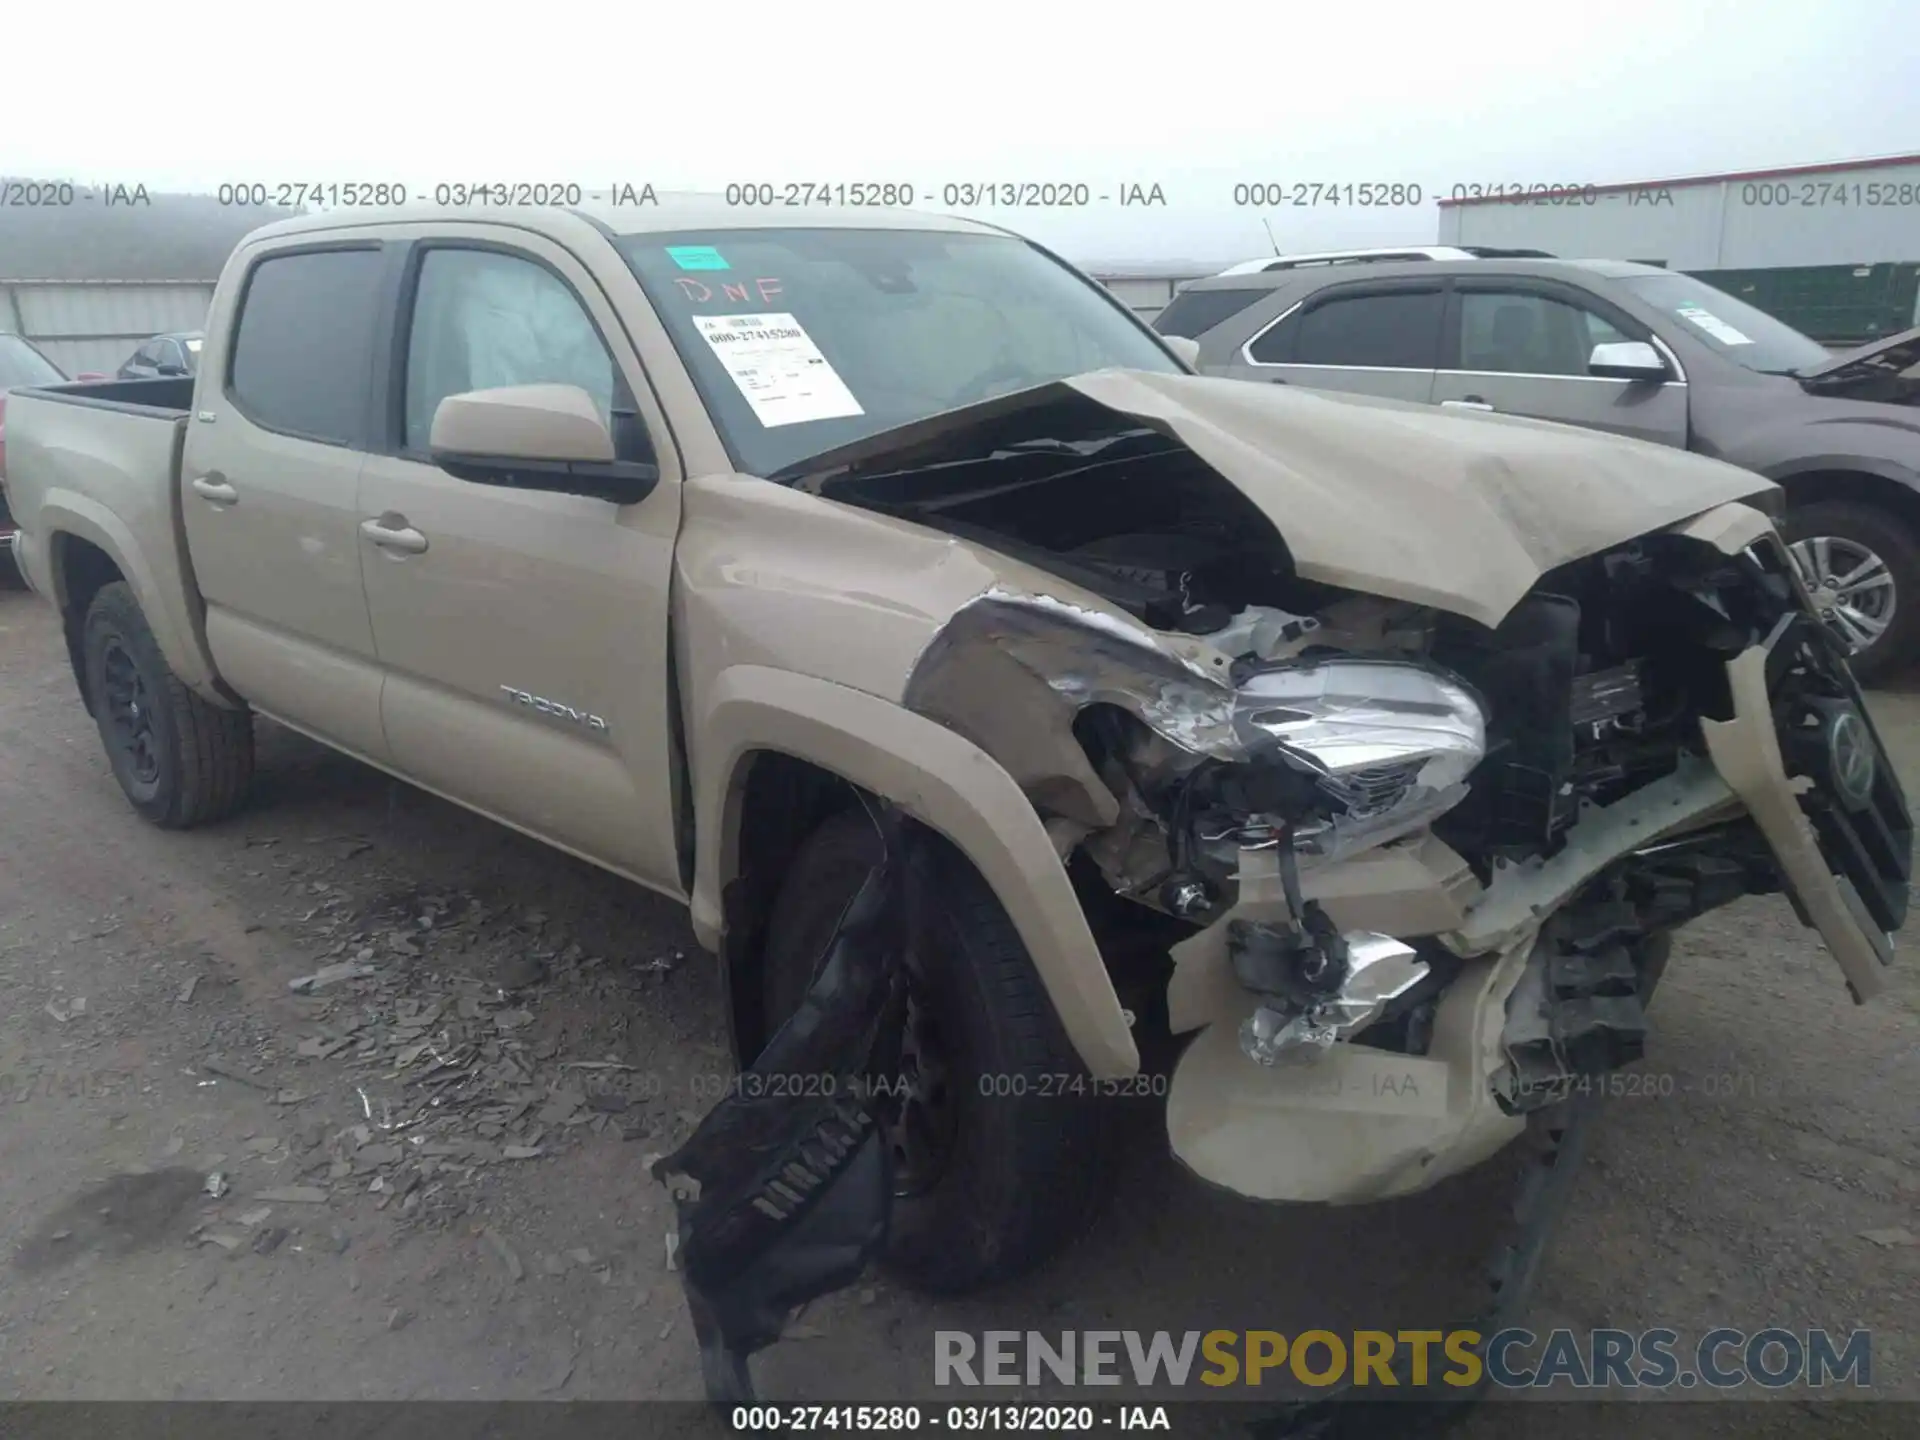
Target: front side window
x,y
803,340
304,342
1522,332
483,320
1393,329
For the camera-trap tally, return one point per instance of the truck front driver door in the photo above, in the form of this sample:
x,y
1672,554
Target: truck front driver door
x,y
523,634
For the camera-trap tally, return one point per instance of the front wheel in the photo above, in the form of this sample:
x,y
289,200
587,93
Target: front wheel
x,y
998,1155
1861,565
181,760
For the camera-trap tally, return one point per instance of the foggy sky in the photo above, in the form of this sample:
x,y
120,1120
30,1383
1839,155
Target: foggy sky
x,y
1191,97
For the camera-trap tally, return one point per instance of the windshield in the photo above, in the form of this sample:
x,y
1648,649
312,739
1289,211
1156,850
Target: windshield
x,y
21,364
1728,326
803,340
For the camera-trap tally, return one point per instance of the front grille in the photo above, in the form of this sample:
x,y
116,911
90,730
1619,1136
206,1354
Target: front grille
x,y
1865,831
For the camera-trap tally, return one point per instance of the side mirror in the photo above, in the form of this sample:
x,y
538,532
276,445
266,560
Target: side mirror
x,y
1184,346
1627,360
536,437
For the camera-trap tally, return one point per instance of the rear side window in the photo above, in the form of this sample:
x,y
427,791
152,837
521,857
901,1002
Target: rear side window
x,y
21,364
304,342
1193,313
1396,329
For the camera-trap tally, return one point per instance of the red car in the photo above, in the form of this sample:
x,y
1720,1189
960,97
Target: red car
x,y
20,365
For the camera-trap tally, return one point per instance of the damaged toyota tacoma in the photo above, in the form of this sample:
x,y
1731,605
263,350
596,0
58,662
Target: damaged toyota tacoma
x,y
996,692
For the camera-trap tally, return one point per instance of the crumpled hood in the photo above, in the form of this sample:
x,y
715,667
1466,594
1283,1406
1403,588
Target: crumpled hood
x,y
1877,359
1463,511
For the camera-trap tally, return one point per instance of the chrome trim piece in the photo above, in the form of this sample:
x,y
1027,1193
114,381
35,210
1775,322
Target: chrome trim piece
x,y
554,708
1532,375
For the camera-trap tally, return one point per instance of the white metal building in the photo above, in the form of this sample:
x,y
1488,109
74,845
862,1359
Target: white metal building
x,y
1855,212
87,281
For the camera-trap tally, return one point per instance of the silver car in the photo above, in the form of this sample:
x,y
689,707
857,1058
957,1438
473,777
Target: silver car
x,y
1618,346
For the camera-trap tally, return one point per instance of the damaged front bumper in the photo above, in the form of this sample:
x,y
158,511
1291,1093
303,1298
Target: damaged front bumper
x,y
1542,991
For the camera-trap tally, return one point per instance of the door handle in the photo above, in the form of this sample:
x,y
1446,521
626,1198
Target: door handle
x,y
1472,402
213,487
400,537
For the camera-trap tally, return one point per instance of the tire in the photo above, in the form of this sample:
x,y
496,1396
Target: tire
x,y
181,760
1020,1171
1859,527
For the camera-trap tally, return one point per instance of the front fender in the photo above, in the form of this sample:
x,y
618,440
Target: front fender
x,y
939,778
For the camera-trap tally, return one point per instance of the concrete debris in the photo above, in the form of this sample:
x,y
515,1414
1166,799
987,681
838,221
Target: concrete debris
x,y
217,1184
521,1152
515,1270
294,1195
228,1071
1888,1239
673,1249
63,1011
269,1240
397,1318
186,991
356,969
223,1240
255,1216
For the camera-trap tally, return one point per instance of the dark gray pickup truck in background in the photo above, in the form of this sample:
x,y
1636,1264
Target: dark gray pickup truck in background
x,y
1613,345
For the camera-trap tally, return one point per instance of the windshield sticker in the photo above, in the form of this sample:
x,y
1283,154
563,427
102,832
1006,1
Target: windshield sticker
x,y
697,257
1713,325
699,290
778,368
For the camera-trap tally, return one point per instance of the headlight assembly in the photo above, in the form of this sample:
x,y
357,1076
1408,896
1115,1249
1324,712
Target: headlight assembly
x,y
1389,744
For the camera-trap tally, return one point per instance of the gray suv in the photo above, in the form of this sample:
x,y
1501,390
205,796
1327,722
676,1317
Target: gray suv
x,y
1617,346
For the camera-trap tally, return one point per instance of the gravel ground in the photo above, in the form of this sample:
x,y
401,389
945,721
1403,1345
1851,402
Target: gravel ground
x,y
425,1177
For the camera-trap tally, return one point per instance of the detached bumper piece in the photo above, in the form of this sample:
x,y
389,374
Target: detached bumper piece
x,y
783,1192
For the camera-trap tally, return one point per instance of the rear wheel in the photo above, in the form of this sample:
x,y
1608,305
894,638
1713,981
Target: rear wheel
x,y
181,760
1862,567
997,1160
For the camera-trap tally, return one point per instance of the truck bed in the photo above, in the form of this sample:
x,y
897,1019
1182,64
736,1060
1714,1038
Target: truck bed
x,y
99,463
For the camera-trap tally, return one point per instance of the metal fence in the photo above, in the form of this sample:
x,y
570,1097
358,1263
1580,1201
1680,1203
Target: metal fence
x,y
94,325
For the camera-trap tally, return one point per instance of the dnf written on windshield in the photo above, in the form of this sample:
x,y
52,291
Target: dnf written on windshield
x,y
700,293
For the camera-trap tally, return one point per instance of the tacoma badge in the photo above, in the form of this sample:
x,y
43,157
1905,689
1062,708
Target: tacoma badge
x,y
554,708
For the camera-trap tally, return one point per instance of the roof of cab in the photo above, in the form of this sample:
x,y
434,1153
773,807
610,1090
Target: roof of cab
x,y
669,212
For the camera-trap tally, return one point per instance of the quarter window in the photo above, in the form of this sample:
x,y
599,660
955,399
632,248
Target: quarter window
x,y
482,320
305,337
1525,333
1396,330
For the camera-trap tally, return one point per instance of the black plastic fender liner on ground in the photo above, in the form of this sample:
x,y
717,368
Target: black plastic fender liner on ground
x,y
784,1190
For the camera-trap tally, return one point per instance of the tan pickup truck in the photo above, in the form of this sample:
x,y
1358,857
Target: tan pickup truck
x,y
1368,750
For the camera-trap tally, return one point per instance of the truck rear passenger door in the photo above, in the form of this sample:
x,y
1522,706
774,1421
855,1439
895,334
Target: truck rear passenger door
x,y
523,633
1521,346
271,472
